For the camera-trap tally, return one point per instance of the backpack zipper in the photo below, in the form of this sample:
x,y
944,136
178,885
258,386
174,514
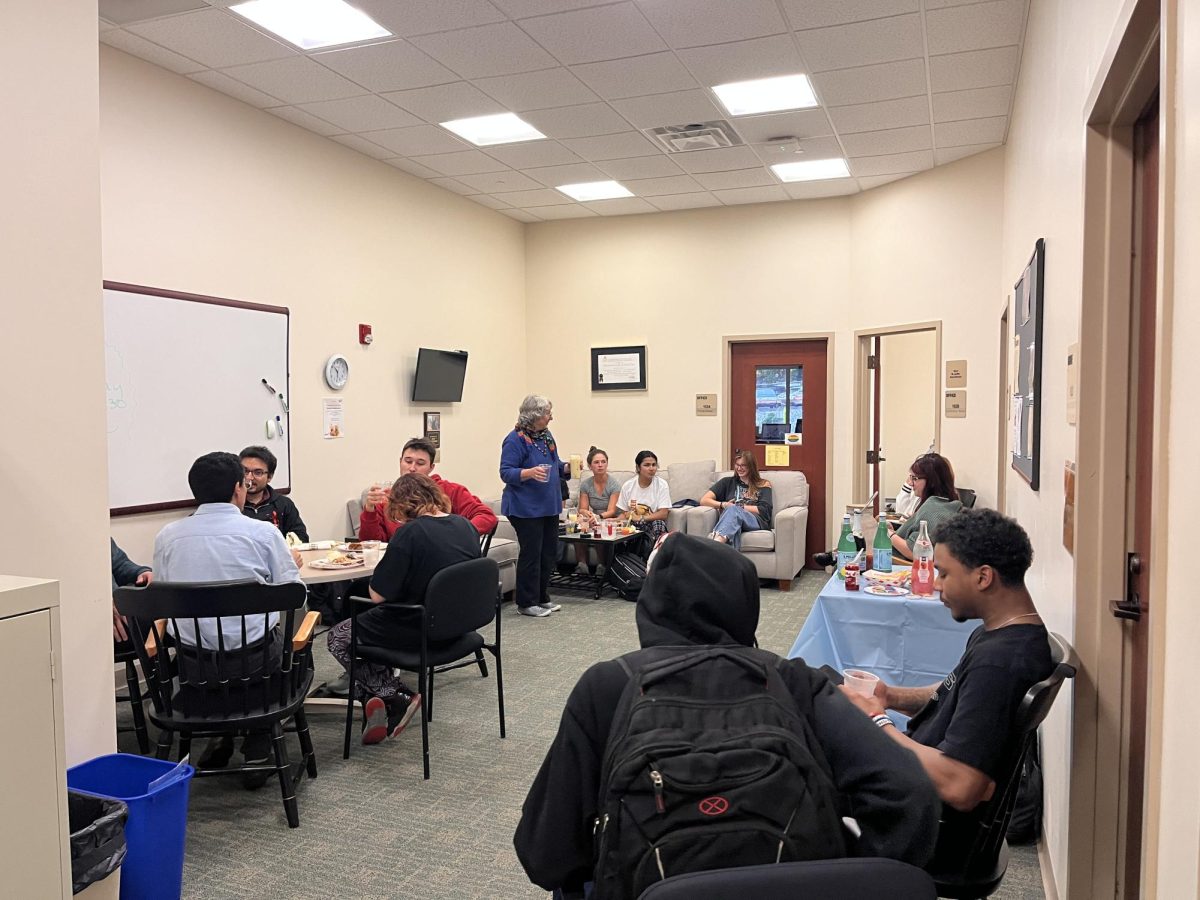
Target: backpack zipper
x,y
660,802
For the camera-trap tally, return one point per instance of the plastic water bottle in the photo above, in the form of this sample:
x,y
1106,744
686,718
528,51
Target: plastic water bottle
x,y
846,548
881,549
922,569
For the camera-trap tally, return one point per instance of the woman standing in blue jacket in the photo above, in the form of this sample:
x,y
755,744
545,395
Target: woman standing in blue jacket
x,y
530,469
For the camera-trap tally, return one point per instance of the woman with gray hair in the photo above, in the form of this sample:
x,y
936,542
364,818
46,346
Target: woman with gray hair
x,y
530,469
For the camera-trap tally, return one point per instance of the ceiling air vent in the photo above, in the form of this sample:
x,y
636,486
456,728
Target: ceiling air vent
x,y
695,136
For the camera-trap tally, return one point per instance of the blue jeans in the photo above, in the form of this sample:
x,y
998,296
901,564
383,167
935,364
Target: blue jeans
x,y
734,520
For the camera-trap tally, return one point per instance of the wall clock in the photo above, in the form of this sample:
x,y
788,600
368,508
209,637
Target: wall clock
x,y
337,371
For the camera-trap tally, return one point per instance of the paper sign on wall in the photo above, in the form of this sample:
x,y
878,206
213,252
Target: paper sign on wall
x,y
332,418
778,454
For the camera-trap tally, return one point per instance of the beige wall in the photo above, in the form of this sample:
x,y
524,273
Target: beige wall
x,y
202,193
919,249
53,480
910,403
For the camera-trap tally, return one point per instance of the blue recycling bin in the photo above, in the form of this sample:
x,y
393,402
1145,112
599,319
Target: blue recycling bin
x,y
156,793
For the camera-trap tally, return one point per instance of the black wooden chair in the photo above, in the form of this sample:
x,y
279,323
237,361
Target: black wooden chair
x,y
983,866
460,600
864,878
124,652
254,687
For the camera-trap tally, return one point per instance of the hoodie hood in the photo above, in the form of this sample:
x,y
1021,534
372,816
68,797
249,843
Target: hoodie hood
x,y
698,591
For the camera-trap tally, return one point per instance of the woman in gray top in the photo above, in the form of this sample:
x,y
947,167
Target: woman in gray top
x,y
932,481
597,499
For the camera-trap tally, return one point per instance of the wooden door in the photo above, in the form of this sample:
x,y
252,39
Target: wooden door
x,y
778,388
1141,476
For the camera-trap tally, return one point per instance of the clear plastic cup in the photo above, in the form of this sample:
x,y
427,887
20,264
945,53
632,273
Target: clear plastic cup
x,y
860,682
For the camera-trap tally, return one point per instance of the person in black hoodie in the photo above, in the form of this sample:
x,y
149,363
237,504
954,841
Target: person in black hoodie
x,y
702,593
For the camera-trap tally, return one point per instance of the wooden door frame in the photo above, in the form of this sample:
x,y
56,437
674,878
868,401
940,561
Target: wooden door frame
x,y
862,393
1129,74
727,342
1004,415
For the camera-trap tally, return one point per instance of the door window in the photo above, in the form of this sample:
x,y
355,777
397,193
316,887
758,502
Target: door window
x,y
778,402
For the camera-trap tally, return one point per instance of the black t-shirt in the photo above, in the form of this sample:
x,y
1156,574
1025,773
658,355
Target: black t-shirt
x,y
732,488
970,718
418,551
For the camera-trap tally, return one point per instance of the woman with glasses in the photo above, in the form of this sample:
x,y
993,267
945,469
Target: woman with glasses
x,y
743,500
932,481
646,500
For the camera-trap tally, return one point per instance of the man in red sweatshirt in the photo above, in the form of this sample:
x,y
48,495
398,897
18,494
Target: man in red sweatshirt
x,y
417,456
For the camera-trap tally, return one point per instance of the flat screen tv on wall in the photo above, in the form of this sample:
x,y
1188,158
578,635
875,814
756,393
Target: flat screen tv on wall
x,y
439,376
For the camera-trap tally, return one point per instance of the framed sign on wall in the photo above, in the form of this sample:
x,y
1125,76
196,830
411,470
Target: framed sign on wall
x,y
619,368
1027,391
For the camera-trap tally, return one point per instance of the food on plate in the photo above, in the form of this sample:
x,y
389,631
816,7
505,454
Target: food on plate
x,y
887,590
354,545
340,559
898,576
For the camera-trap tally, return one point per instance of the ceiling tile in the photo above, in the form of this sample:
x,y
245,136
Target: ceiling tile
x,y
444,102
576,173
815,190
612,146
684,201
417,140
900,113
971,131
537,90
879,180
977,69
685,23
822,13
519,214
413,168
975,104
672,184
892,140
304,120
724,160
623,206
466,162
590,35
390,66
149,51
743,60
562,211
950,154
368,148
219,81
533,153
499,182
424,16
812,148
655,73
535,197
585,120
296,80
801,123
501,49
887,165
737,196
122,12
658,166
520,9
977,27
678,108
738,178
366,113
489,201
942,4
863,43
452,184
213,37
867,84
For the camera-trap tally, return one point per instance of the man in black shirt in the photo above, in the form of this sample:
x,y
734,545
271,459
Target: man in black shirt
x,y
962,729
264,504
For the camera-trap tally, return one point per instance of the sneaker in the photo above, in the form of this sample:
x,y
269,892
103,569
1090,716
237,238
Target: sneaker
x,y
340,686
600,570
535,610
400,710
375,721
582,569
550,605
256,750
217,753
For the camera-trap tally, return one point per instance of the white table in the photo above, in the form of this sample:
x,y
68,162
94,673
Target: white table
x,y
309,575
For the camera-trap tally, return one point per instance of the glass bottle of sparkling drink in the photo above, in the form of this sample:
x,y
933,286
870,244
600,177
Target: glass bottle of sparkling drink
x,y
882,548
922,568
846,548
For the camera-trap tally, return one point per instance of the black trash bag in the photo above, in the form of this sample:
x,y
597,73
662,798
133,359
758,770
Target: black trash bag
x,y
1025,826
97,837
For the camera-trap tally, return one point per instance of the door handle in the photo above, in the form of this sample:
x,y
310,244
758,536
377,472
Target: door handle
x,y
1131,606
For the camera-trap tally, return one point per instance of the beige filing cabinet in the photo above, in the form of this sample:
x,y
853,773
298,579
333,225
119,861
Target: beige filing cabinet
x,y
34,853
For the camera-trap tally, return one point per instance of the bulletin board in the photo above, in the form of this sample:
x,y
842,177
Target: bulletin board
x,y
1026,421
184,376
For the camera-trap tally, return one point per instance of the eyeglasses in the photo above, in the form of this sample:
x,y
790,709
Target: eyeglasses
x,y
257,473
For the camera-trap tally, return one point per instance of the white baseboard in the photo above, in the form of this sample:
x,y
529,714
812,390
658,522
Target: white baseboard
x,y
1049,885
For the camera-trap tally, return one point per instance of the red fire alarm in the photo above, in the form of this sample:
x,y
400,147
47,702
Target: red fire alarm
x,y
364,335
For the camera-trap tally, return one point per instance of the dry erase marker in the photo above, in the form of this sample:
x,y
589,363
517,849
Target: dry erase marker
x,y
283,403
279,425
267,385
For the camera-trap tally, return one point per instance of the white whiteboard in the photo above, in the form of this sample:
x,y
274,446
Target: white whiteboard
x,y
184,377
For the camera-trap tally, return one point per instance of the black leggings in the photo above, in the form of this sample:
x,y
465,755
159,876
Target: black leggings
x,y
538,540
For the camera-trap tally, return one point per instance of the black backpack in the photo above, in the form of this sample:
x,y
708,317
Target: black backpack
x,y
711,763
627,574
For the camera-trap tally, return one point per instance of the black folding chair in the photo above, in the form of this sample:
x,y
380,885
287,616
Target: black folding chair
x,y
822,879
979,872
460,600
485,540
123,652
253,686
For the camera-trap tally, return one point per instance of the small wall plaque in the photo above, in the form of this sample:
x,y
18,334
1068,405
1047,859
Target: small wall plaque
x,y
956,373
706,404
956,404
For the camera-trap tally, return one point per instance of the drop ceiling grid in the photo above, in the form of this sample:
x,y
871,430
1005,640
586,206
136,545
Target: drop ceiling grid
x,y
904,84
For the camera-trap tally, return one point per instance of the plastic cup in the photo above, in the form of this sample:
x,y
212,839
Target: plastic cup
x,y
372,554
860,682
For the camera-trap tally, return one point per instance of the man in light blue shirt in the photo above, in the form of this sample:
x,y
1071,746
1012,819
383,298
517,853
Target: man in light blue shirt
x,y
218,543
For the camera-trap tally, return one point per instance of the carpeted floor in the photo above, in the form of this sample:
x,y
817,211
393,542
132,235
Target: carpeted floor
x,y
371,827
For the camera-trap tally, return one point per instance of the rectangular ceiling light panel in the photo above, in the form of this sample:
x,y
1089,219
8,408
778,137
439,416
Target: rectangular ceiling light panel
x,y
764,95
311,24
502,128
811,170
595,190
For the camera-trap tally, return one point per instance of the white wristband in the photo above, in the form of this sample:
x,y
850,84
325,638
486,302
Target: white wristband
x,y
883,721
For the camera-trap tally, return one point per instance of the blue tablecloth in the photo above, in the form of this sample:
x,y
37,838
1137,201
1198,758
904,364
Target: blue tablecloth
x,y
906,641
